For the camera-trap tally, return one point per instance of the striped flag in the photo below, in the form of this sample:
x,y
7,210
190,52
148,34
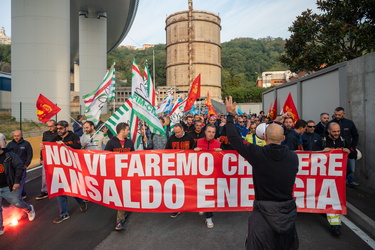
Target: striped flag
x,y
152,94
125,114
166,105
105,92
177,111
142,106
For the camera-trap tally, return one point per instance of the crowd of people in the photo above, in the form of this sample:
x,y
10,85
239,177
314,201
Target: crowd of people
x,y
198,132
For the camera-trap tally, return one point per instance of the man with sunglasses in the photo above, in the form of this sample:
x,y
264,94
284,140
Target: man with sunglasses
x,y
310,139
69,139
272,223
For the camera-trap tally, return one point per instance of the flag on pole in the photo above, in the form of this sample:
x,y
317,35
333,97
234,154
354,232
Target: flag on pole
x,y
125,114
166,105
177,111
105,92
142,106
152,94
290,107
45,109
211,110
194,93
272,111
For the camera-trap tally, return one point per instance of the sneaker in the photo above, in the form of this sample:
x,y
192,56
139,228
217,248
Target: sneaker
x,y
209,223
201,213
174,215
31,213
120,226
353,184
42,196
336,231
1,231
83,206
61,218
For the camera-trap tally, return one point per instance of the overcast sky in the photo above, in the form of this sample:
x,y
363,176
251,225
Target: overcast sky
x,y
239,18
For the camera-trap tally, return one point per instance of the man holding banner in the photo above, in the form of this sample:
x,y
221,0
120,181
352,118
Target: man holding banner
x,y
272,222
120,143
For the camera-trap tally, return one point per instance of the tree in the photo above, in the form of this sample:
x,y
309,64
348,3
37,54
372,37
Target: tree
x,y
344,30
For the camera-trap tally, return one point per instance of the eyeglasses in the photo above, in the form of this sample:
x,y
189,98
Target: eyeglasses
x,y
240,122
311,126
277,122
60,128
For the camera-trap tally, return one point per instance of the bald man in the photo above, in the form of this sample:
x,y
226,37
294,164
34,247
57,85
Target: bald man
x,y
272,223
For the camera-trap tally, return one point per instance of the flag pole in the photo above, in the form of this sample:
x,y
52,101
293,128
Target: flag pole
x,y
70,117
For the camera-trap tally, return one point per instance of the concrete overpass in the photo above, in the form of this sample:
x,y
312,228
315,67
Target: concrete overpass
x,y
52,38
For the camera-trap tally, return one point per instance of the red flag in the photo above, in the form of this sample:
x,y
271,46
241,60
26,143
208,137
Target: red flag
x,y
45,109
194,93
211,110
272,111
291,108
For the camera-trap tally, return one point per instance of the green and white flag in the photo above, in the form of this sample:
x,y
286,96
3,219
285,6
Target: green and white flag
x,y
142,106
105,92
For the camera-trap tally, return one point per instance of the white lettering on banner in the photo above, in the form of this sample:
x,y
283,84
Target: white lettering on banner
x,y
328,195
135,166
179,195
202,192
167,164
303,160
151,194
310,193
243,166
93,161
299,195
225,193
246,191
59,181
126,192
186,164
152,162
110,193
92,191
318,161
76,179
227,169
206,164
119,164
52,153
333,164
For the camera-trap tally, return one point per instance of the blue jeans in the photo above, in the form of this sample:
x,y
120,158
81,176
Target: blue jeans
x,y
63,204
22,183
13,198
44,185
350,170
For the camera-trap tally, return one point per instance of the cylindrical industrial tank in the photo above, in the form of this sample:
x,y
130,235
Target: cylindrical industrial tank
x,y
193,47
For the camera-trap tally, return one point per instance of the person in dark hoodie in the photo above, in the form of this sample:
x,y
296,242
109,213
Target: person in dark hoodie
x,y
120,143
11,170
24,150
68,138
271,225
294,138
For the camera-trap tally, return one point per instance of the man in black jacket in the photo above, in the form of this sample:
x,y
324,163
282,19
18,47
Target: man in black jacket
x,y
294,138
120,143
24,150
311,140
68,138
11,170
272,222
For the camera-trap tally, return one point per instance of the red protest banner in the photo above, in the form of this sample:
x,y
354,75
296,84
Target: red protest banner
x,y
185,180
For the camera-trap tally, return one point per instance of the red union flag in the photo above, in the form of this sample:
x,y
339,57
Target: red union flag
x,y
184,180
45,109
211,110
290,107
272,111
194,94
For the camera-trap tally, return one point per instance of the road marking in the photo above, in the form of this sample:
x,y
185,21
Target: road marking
x,y
358,232
34,168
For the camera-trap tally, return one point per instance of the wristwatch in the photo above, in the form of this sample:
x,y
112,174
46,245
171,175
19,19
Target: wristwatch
x,y
230,113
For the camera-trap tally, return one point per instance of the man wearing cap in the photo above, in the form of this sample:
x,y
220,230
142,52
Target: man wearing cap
x,y
11,170
272,223
69,139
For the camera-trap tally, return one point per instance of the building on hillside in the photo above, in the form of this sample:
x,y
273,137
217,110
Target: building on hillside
x,y
4,39
274,78
193,47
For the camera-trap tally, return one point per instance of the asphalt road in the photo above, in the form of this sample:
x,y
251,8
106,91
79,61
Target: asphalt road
x,y
94,229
